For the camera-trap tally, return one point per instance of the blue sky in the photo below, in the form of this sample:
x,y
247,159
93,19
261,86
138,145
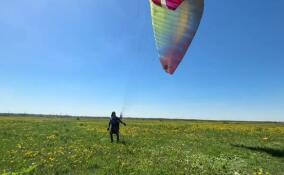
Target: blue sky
x,y
91,57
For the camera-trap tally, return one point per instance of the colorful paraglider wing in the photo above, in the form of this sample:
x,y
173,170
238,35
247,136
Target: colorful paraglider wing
x,y
175,23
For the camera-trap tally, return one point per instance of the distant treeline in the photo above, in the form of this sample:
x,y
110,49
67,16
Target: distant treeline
x,y
44,115
134,118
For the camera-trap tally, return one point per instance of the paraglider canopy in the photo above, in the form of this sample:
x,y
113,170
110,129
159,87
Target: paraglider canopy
x,y
175,23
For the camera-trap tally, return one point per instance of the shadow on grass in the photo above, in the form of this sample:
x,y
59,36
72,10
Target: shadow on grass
x,y
273,152
123,142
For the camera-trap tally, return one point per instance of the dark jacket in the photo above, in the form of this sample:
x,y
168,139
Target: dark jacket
x,y
114,124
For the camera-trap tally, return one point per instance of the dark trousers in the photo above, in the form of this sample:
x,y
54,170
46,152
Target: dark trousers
x,y
117,136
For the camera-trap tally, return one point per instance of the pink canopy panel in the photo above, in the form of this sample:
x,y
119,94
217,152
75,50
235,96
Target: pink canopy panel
x,y
170,4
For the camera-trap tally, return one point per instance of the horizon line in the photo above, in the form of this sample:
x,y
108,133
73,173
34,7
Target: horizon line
x,y
129,117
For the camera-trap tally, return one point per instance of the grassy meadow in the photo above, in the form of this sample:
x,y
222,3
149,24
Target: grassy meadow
x,y
50,145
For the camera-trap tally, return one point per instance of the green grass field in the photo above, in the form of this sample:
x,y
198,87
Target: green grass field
x,y
41,145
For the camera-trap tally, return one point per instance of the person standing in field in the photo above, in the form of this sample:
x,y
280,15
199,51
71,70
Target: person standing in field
x,y
113,126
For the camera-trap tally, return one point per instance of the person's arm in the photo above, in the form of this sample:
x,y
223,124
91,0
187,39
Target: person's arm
x,y
109,123
120,119
122,122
